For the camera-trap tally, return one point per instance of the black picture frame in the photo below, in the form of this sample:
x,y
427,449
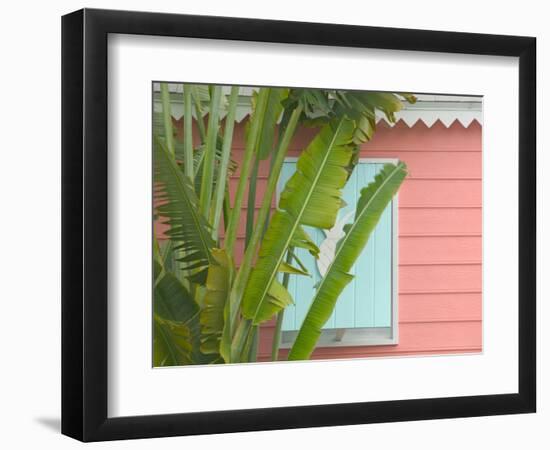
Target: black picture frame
x,y
84,224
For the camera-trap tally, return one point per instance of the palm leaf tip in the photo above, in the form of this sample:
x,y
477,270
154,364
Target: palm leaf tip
x,y
372,202
390,177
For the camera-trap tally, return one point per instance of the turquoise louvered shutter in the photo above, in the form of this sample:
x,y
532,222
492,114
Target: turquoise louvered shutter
x,y
367,300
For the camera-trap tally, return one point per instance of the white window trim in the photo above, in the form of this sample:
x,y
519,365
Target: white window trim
x,y
363,337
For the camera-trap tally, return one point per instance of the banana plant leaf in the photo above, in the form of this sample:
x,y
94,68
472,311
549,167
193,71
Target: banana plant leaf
x,y
175,337
312,196
179,205
371,204
177,332
171,343
321,106
264,145
212,135
361,106
273,110
212,316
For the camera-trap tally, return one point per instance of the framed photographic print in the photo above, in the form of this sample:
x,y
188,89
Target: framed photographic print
x,y
273,224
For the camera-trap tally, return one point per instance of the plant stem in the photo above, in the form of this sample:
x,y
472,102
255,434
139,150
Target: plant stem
x,y
250,344
255,342
277,335
210,152
280,314
246,265
256,121
198,113
271,164
272,184
188,132
251,200
167,117
215,212
226,207
239,341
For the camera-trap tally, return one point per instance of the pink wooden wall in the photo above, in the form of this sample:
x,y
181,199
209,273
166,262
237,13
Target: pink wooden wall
x,y
440,300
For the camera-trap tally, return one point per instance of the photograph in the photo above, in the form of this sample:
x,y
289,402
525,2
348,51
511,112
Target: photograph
x,y
298,223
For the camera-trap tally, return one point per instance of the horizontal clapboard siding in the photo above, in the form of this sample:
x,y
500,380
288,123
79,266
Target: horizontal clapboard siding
x,y
414,338
440,243
440,299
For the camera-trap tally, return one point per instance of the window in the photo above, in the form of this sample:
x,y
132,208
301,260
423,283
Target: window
x,y
366,312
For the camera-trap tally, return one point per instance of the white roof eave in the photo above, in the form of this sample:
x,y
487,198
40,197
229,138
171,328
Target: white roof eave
x,y
429,109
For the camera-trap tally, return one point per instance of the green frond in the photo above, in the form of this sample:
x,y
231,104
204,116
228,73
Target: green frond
x,y
179,206
212,315
175,318
370,206
312,196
